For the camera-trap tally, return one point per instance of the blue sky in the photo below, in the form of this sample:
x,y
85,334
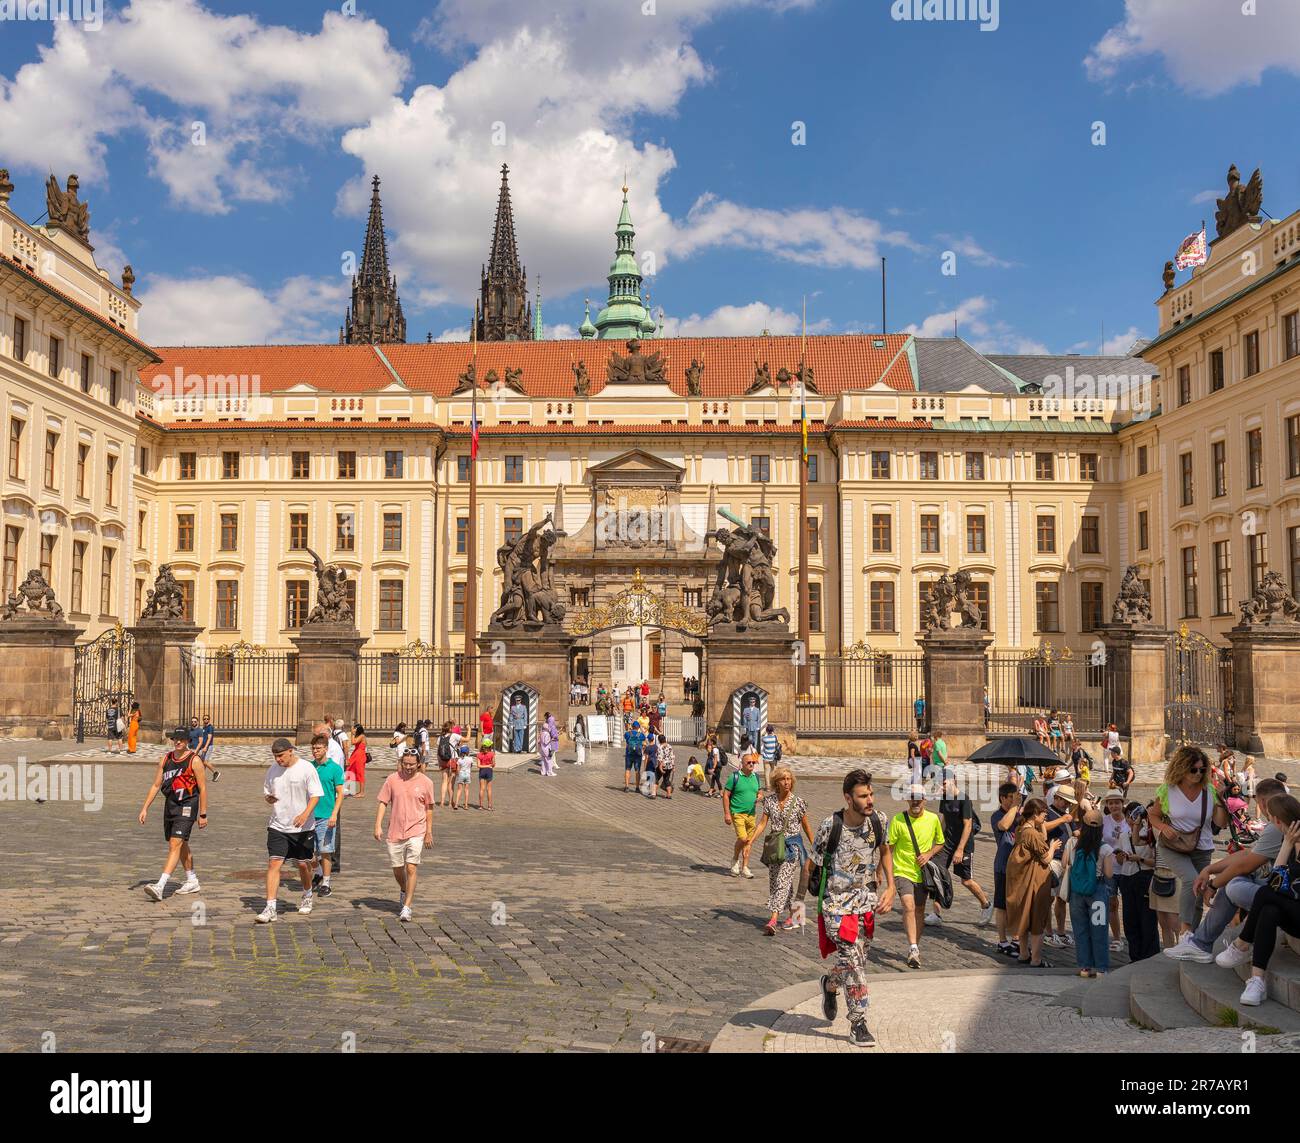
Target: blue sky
x,y
921,137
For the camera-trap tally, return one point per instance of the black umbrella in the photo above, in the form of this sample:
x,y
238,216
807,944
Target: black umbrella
x,y
1013,750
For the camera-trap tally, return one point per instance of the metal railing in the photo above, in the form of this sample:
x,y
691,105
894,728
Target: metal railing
x,y
405,686
862,692
1024,684
245,690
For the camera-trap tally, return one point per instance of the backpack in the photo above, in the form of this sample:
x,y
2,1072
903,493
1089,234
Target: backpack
x,y
833,843
723,760
444,748
1083,873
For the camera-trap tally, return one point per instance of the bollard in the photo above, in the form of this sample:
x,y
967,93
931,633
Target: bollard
x,y
81,727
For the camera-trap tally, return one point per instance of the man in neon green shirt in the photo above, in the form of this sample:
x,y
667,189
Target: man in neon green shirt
x,y
908,859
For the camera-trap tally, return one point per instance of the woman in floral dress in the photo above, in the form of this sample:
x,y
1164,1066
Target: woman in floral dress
x,y
788,814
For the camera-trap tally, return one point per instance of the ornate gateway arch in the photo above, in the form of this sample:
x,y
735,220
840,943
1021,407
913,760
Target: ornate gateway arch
x,y
639,606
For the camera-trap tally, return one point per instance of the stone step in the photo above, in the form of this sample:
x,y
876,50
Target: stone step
x,y
1282,977
1106,996
1215,993
1155,998
1293,943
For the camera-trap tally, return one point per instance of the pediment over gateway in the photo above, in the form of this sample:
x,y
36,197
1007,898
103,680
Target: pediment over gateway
x,y
635,465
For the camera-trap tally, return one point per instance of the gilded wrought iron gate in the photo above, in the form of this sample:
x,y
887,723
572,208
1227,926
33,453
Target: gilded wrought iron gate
x,y
1198,690
103,676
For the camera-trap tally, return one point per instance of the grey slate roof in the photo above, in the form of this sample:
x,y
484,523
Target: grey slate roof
x,y
1033,369
948,365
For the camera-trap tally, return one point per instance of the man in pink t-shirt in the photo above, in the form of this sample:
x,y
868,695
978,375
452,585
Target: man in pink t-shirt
x,y
410,829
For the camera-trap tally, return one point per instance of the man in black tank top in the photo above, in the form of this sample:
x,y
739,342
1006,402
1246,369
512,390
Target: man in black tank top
x,y
180,779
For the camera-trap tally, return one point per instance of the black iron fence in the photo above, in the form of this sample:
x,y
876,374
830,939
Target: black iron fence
x,y
415,683
862,692
245,690
1021,685
1198,690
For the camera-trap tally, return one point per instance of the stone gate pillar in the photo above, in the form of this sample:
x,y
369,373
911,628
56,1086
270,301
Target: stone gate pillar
x,y
1136,670
956,666
1266,687
530,652
328,667
160,674
38,652
761,654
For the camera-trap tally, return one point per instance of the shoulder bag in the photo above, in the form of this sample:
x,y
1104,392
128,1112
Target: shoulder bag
x,y
1188,840
934,877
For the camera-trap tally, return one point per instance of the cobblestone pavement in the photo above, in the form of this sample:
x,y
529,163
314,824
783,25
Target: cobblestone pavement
x,y
576,916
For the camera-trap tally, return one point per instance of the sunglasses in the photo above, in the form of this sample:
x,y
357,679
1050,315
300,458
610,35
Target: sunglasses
x,y
1197,770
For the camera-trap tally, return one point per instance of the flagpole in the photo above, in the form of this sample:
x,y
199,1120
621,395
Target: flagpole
x,y
471,532
801,672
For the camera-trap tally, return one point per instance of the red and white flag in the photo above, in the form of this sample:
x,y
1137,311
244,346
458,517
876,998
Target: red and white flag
x,y
1194,251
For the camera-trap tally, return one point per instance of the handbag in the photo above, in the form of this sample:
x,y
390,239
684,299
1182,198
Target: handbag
x,y
935,877
1163,883
774,848
1186,840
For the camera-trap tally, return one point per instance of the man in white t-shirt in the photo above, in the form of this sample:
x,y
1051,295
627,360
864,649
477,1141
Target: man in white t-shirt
x,y
291,788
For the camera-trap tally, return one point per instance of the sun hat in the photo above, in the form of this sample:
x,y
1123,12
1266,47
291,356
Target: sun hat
x,y
1066,794
1092,816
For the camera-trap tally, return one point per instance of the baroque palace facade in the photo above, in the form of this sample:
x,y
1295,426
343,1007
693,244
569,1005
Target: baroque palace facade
x,y
1044,477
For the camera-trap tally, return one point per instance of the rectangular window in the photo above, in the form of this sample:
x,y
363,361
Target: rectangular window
x,y
929,466
691,597
1046,532
347,465
974,466
392,531
1290,335
139,598
1047,606
1087,466
1185,479
20,339
514,470
1216,370
462,469
1184,384
345,532
814,536
580,597
13,538
394,463
1292,447
1250,345
812,468
15,446
980,594
1219,463
187,599
85,372
514,529
390,605
1090,535
882,607
1257,553
229,531
144,461
462,535
301,466
114,386
291,668
188,465
56,356
1092,605
1293,547
1190,607
295,603
458,607
185,532
390,669
106,582
1144,530
141,517
350,591
760,469
976,535
929,533
51,459
880,465
110,481
814,607
1222,577
882,532
78,573
83,455
297,531
1044,466
761,523
230,466
1255,458
1142,460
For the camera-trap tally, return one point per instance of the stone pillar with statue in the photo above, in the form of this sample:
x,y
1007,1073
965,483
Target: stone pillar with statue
x,y
956,665
1266,671
39,650
329,651
1134,658
162,637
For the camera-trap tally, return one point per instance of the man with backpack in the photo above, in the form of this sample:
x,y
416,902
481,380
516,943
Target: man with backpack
x,y
960,825
849,851
915,836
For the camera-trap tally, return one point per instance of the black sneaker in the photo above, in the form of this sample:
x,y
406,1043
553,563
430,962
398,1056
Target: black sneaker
x,y
216,774
324,891
860,1036
315,881
830,1005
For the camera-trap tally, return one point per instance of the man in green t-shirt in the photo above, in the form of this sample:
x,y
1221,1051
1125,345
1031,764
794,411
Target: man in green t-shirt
x,y
908,859
326,812
740,796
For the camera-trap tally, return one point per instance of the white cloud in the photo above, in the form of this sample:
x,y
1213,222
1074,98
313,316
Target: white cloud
x,y
967,247
975,325
1121,343
968,313
1209,46
226,310
741,321
1206,196
560,332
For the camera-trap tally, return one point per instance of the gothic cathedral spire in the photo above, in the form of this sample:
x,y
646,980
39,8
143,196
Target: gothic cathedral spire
x,y
502,312
375,316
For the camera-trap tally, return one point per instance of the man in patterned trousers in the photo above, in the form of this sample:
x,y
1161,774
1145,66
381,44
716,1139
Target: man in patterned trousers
x,y
849,855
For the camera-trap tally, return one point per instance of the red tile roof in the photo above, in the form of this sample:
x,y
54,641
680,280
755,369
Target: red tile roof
x,y
839,362
882,423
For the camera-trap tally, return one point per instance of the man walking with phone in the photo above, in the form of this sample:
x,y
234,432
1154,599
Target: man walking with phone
x,y
291,788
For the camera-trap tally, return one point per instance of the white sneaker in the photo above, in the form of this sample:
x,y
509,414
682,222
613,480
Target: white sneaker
x,y
1185,949
747,873
933,919
986,915
266,916
190,886
1231,956
153,892
735,869
304,906
1255,992
405,914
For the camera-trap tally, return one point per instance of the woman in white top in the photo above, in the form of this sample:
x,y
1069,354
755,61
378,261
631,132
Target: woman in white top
x,y
1186,802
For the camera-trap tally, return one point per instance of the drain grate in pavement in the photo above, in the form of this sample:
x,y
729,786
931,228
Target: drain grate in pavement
x,y
676,1045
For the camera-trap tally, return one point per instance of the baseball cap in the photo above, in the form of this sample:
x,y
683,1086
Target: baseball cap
x,y
280,745
180,734
916,793
1066,794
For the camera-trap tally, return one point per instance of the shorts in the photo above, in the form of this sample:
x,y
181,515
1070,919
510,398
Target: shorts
x,y
406,852
290,846
179,819
908,888
1000,890
631,762
666,779
326,836
462,781
115,735
744,825
485,773
963,870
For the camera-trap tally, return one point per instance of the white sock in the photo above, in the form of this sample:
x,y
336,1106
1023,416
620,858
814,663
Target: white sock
x,y
190,875
270,904
162,883
325,880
